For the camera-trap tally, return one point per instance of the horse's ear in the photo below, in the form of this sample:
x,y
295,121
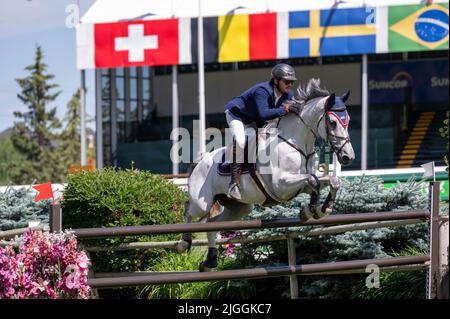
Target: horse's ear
x,y
330,101
345,96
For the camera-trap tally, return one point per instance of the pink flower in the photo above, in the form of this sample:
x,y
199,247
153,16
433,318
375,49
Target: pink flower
x,y
82,260
73,281
46,266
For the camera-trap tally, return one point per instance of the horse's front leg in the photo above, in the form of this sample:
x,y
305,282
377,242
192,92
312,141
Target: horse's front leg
x,y
211,258
327,206
304,183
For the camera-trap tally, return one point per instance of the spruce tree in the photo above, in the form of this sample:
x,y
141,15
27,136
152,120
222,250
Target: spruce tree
x,y
8,155
70,147
70,138
33,134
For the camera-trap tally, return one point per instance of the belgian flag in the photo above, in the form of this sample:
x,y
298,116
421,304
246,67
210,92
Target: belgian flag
x,y
234,38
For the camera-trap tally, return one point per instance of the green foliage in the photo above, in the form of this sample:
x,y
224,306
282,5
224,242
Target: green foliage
x,y
109,198
17,208
393,284
8,155
229,289
444,133
364,194
33,132
70,147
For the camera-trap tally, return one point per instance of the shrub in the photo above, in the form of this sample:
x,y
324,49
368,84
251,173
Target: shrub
x,y
229,289
392,284
44,266
17,208
111,198
365,194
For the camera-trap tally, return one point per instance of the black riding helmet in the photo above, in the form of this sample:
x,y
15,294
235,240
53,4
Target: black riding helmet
x,y
283,71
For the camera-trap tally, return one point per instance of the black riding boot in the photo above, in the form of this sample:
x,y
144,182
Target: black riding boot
x,y
234,190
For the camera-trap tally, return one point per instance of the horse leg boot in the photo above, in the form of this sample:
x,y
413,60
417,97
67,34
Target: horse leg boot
x,y
211,260
309,210
234,190
186,240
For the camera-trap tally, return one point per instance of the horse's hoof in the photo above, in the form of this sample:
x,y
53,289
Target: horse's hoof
x,y
305,214
181,246
319,214
204,268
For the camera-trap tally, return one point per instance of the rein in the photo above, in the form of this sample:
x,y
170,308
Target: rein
x,y
329,134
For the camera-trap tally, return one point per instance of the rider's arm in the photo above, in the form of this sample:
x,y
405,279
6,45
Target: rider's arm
x,y
266,113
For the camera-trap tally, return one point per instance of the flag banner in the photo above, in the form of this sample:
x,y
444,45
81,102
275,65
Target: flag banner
x,y
429,169
210,40
247,37
418,27
332,32
44,192
264,36
125,44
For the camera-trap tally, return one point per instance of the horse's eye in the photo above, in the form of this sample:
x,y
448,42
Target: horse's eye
x,y
333,125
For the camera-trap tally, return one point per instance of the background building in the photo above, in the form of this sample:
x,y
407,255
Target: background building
x,y
406,47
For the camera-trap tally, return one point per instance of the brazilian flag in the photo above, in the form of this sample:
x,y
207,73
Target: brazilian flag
x,y
418,27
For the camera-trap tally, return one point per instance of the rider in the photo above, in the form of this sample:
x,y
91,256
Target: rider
x,y
260,103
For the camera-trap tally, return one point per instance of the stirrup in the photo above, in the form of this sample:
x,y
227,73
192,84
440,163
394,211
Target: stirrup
x,y
234,191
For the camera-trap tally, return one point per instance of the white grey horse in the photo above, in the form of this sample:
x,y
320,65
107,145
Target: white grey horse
x,y
292,167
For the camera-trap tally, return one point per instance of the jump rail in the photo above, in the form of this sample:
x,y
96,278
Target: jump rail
x,y
252,273
292,270
247,224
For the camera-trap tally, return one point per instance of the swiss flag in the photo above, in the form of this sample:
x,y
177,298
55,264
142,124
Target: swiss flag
x,y
137,43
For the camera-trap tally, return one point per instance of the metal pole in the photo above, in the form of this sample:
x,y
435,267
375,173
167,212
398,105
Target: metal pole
x,y
83,117
201,82
246,224
364,113
292,263
163,278
175,117
98,120
55,218
433,275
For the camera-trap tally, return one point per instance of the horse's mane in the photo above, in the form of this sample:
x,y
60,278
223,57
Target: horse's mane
x,y
311,91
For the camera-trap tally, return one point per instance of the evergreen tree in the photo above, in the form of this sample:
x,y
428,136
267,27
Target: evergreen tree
x,y
70,148
8,155
70,137
33,135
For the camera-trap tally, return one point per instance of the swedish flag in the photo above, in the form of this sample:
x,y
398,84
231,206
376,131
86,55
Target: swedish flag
x,y
332,32
418,27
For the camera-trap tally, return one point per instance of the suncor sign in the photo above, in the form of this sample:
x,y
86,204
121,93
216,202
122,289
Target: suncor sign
x,y
428,81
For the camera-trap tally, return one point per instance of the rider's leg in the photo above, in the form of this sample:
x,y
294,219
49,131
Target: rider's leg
x,y
234,190
238,132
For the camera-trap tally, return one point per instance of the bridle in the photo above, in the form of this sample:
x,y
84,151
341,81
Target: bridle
x,y
328,110
329,134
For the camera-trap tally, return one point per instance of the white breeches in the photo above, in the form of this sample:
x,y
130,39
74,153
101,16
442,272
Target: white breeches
x,y
238,131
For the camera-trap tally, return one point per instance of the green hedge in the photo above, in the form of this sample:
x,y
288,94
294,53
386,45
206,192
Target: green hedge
x,y
129,197
110,198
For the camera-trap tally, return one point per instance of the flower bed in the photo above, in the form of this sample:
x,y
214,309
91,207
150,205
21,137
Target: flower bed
x,y
44,265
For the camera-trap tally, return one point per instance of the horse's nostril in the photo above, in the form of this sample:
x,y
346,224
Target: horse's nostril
x,y
345,159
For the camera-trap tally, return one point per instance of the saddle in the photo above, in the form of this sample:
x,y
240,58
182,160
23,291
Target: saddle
x,y
224,169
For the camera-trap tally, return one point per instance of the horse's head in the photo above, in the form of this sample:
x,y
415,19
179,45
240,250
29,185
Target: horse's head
x,y
334,127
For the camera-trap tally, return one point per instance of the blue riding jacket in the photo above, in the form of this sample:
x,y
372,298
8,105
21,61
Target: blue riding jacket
x,y
257,104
